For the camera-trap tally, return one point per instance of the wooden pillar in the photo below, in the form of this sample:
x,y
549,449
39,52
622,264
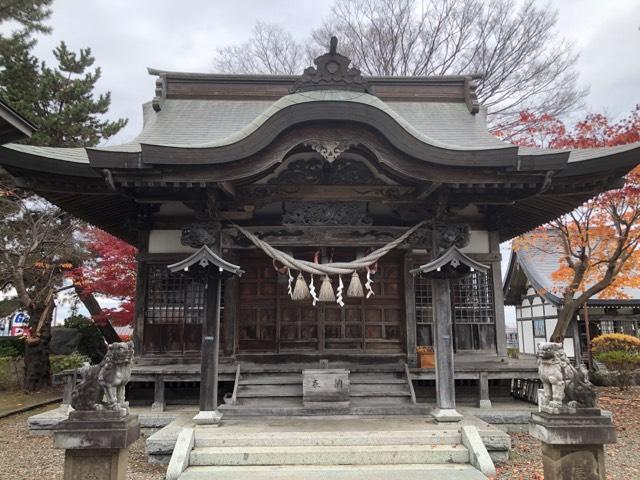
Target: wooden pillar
x,y
231,304
158,394
483,384
443,342
410,310
498,298
141,297
209,357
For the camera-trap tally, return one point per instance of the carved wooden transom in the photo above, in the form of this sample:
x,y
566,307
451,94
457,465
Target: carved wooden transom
x,y
316,171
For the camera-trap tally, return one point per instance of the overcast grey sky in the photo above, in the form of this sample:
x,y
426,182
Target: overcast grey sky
x,y
127,36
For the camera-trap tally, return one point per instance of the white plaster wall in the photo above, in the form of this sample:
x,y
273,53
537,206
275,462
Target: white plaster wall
x,y
550,310
549,325
538,308
525,311
527,337
568,347
478,242
167,241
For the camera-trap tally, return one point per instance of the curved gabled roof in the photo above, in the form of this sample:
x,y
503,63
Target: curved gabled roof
x,y
538,266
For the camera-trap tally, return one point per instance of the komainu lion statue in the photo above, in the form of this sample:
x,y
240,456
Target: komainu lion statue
x,y
564,385
106,380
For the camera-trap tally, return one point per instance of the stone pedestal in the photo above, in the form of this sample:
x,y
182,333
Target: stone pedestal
x,y
325,388
573,444
96,444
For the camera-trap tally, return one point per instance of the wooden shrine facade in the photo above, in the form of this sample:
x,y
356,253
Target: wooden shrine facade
x,y
328,165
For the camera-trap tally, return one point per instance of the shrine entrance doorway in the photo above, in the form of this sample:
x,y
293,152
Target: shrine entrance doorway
x,y
270,322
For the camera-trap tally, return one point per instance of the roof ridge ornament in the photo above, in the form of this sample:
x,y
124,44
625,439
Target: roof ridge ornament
x,y
332,72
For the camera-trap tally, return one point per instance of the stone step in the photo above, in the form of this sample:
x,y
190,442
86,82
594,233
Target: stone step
x,y
214,437
399,406
270,401
336,472
330,455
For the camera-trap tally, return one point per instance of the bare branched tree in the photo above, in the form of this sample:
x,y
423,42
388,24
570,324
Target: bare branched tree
x,y
270,50
514,45
37,246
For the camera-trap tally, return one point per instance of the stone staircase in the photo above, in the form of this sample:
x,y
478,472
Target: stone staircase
x,y
384,391
335,455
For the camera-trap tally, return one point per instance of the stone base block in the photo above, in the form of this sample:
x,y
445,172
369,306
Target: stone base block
x,y
212,418
572,462
91,430
586,427
98,464
446,415
572,444
484,404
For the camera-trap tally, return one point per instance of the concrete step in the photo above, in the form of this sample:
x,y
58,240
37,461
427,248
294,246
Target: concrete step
x,y
294,408
330,455
214,437
270,402
335,472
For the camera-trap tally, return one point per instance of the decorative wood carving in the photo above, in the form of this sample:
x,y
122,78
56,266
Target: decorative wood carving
x,y
264,194
330,150
202,233
332,72
314,171
450,235
325,213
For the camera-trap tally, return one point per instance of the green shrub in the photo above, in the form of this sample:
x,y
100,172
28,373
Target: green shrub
x,y
513,352
614,342
60,363
622,362
11,347
92,343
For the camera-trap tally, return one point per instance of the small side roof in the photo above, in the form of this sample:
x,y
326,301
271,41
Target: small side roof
x,y
13,126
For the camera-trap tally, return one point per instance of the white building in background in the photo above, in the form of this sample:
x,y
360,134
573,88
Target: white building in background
x,y
529,286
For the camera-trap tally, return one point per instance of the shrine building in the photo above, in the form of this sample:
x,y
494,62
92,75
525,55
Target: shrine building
x,y
354,218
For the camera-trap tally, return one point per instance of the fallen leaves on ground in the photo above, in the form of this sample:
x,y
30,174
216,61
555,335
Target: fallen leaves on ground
x,y
525,462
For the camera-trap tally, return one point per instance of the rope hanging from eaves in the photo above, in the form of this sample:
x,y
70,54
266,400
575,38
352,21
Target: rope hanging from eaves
x,y
302,290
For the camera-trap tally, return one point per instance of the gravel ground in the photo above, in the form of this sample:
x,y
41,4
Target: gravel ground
x,y
29,457
622,458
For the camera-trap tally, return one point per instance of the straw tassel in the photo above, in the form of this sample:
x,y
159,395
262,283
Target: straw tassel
x,y
355,289
326,291
301,290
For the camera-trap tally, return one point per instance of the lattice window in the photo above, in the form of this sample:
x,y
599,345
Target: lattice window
x,y
473,299
606,326
424,310
174,297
